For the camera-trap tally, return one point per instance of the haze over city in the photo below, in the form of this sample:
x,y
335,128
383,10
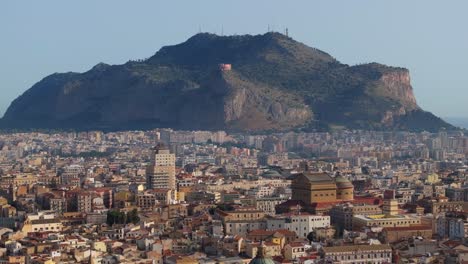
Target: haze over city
x,y
242,132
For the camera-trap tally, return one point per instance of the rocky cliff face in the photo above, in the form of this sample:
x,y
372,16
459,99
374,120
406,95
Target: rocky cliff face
x,y
397,85
275,83
250,106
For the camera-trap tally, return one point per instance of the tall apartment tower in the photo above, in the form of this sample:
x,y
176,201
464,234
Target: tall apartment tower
x,y
390,203
160,174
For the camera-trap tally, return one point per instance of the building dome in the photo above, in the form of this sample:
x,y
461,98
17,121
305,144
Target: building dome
x,y
261,257
263,260
344,189
271,174
343,183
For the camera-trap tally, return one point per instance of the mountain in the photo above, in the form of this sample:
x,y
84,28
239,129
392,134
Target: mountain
x,y
275,83
461,122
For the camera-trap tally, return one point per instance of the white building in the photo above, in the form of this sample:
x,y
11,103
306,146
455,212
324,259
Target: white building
x,y
301,224
72,175
268,204
262,191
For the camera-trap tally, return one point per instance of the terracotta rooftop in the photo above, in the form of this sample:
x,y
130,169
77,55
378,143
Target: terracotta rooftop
x,y
353,248
408,228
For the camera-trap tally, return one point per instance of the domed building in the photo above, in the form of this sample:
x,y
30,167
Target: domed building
x,y
269,174
313,188
261,257
344,189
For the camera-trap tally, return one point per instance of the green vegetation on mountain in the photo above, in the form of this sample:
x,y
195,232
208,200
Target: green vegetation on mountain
x,y
276,83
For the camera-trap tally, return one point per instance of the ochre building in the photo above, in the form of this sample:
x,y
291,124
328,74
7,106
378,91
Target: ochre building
x,y
314,188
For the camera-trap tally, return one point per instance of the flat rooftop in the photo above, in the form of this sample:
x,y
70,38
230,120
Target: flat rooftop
x,y
386,217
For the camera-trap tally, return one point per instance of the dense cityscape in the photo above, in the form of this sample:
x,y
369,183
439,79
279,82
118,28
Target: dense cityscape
x,y
233,132
166,196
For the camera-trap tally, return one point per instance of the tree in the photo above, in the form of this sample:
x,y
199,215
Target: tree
x,y
132,217
311,236
225,207
116,217
121,218
111,217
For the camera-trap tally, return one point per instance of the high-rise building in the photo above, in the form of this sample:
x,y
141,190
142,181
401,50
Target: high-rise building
x,y
160,174
84,202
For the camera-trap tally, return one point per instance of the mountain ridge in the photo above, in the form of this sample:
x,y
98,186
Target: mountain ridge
x,y
275,84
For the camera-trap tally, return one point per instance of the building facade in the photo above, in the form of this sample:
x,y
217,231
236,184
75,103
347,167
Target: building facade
x,y
321,188
160,173
342,214
358,254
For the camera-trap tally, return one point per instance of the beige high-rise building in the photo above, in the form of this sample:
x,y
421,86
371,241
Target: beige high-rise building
x,y
390,207
160,174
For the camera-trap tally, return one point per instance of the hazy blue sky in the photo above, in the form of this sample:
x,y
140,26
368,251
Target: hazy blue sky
x,y
430,38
